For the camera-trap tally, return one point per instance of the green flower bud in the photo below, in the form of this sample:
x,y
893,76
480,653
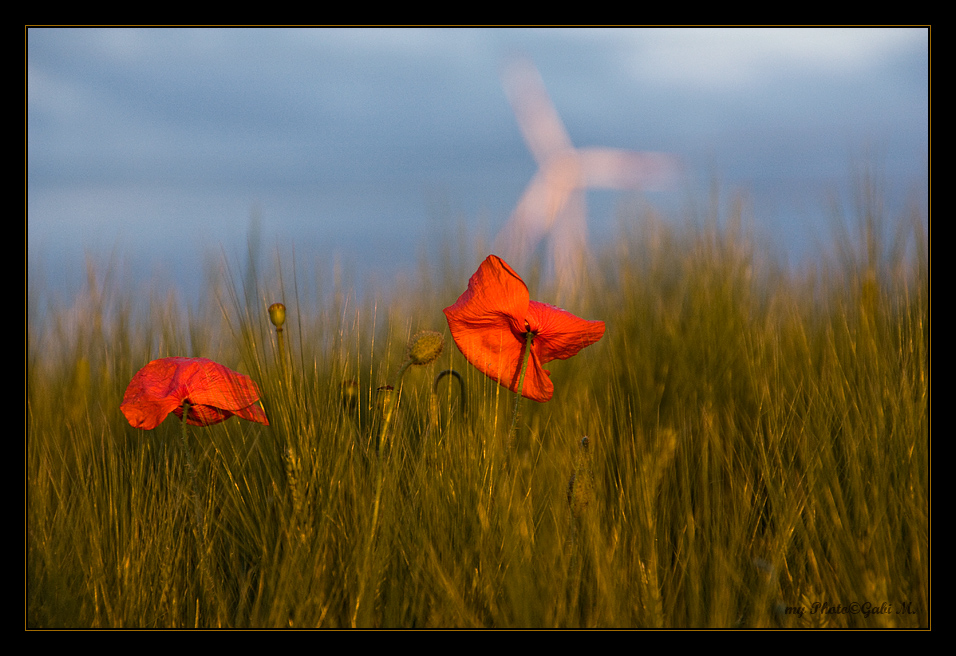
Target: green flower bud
x,y
277,315
425,347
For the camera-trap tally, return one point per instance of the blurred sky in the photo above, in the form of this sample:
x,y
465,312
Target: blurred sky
x,y
157,146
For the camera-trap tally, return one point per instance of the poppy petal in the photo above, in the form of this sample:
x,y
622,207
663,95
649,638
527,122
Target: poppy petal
x,y
488,320
214,385
213,391
151,394
560,334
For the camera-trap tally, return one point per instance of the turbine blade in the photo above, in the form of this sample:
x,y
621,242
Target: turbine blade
x,y
538,120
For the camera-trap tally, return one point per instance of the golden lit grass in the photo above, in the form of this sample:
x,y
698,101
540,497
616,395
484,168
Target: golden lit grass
x,y
758,441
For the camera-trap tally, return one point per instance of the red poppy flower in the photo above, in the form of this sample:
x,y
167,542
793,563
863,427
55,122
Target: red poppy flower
x,y
490,321
214,393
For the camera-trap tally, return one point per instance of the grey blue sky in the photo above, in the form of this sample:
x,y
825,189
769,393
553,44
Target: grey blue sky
x,y
158,145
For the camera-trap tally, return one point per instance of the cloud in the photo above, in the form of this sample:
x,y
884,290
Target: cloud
x,y
730,58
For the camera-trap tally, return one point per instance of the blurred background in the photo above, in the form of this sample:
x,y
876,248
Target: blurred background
x,y
159,147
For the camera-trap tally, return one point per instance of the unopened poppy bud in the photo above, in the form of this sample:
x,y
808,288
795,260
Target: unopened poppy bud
x,y
386,400
277,315
350,394
581,484
425,347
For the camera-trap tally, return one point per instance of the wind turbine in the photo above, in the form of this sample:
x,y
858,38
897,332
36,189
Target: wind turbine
x,y
553,203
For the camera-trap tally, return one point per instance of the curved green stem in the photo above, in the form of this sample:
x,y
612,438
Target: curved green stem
x,y
461,385
433,398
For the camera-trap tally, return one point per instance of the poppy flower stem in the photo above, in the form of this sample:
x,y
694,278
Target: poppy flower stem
x,y
525,351
199,521
191,466
281,339
388,398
